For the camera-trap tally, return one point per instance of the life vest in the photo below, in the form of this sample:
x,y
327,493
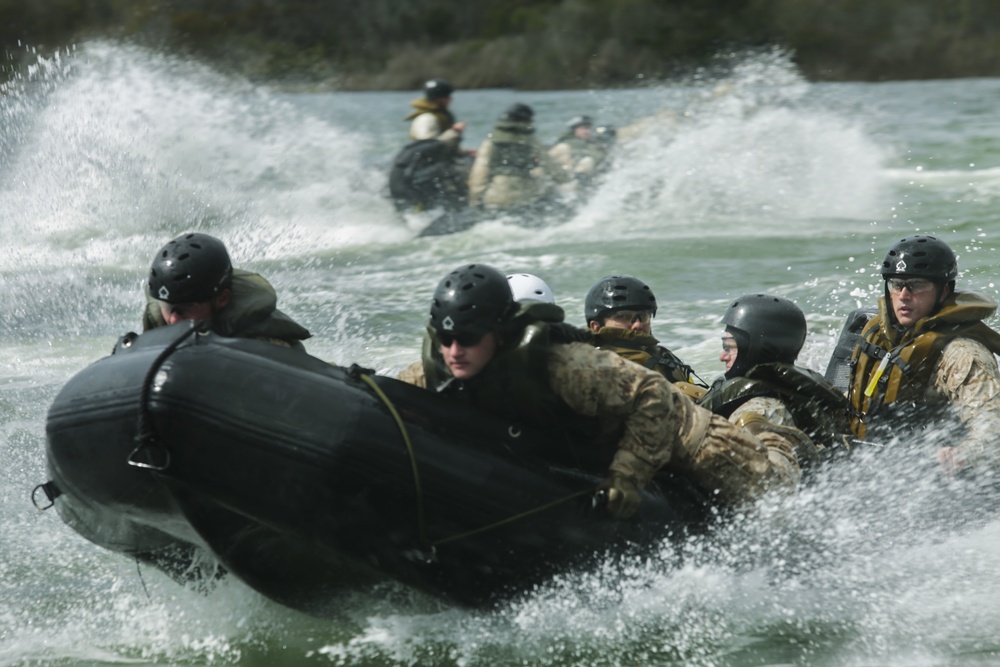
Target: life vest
x,y
645,350
515,384
892,366
445,118
816,406
512,158
514,152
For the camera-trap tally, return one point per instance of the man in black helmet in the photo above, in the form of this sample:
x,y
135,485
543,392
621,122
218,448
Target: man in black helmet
x,y
512,170
431,118
927,353
523,362
192,278
432,170
763,390
619,310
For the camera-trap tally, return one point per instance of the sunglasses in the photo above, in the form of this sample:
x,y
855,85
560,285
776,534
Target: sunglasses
x,y
915,285
630,316
463,340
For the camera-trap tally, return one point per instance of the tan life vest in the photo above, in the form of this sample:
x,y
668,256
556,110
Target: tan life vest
x,y
890,365
445,118
645,350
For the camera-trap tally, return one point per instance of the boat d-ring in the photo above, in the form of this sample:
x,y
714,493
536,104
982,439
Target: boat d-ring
x,y
51,492
149,455
514,431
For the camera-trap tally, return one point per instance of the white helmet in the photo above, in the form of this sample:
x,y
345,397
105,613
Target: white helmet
x,y
528,287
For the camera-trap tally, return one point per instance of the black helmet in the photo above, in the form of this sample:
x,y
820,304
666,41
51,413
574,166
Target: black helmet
x,y
766,328
192,268
436,89
520,113
473,299
613,293
925,256
577,121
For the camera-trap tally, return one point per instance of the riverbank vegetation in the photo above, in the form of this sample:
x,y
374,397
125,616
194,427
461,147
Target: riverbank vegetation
x,y
540,44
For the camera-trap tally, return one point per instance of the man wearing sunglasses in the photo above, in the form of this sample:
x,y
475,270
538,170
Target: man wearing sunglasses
x,y
928,355
192,278
523,362
619,310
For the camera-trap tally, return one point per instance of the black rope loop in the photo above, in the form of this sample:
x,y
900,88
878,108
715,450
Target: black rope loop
x,y
149,453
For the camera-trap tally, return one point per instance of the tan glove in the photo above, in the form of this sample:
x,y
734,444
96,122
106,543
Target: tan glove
x,y
692,391
622,495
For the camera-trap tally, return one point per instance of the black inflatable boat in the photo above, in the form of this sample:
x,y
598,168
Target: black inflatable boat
x,y
309,481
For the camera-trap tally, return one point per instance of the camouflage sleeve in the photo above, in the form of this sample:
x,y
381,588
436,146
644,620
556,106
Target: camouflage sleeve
x,y
968,376
561,154
600,383
413,374
550,167
662,427
736,466
787,446
479,176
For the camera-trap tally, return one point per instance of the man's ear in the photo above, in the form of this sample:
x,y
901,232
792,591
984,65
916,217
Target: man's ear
x,y
223,299
946,291
594,325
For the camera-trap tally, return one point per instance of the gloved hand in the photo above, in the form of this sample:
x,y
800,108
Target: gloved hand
x,y
622,495
753,422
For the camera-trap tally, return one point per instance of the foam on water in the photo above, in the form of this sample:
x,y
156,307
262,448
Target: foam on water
x,y
133,147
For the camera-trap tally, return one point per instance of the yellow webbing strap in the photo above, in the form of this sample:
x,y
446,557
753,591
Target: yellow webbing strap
x,y
421,526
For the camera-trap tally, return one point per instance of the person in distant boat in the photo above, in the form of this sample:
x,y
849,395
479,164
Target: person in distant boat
x,y
512,170
579,152
521,361
192,278
431,118
527,286
619,310
928,354
433,169
763,390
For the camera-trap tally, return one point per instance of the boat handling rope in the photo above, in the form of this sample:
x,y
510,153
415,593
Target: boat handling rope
x,y
149,453
364,374
516,517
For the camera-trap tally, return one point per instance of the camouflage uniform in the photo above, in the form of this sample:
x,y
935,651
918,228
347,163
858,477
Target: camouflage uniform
x,y
251,313
652,424
945,361
512,169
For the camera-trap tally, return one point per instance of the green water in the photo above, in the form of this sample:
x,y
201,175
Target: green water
x,y
777,186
